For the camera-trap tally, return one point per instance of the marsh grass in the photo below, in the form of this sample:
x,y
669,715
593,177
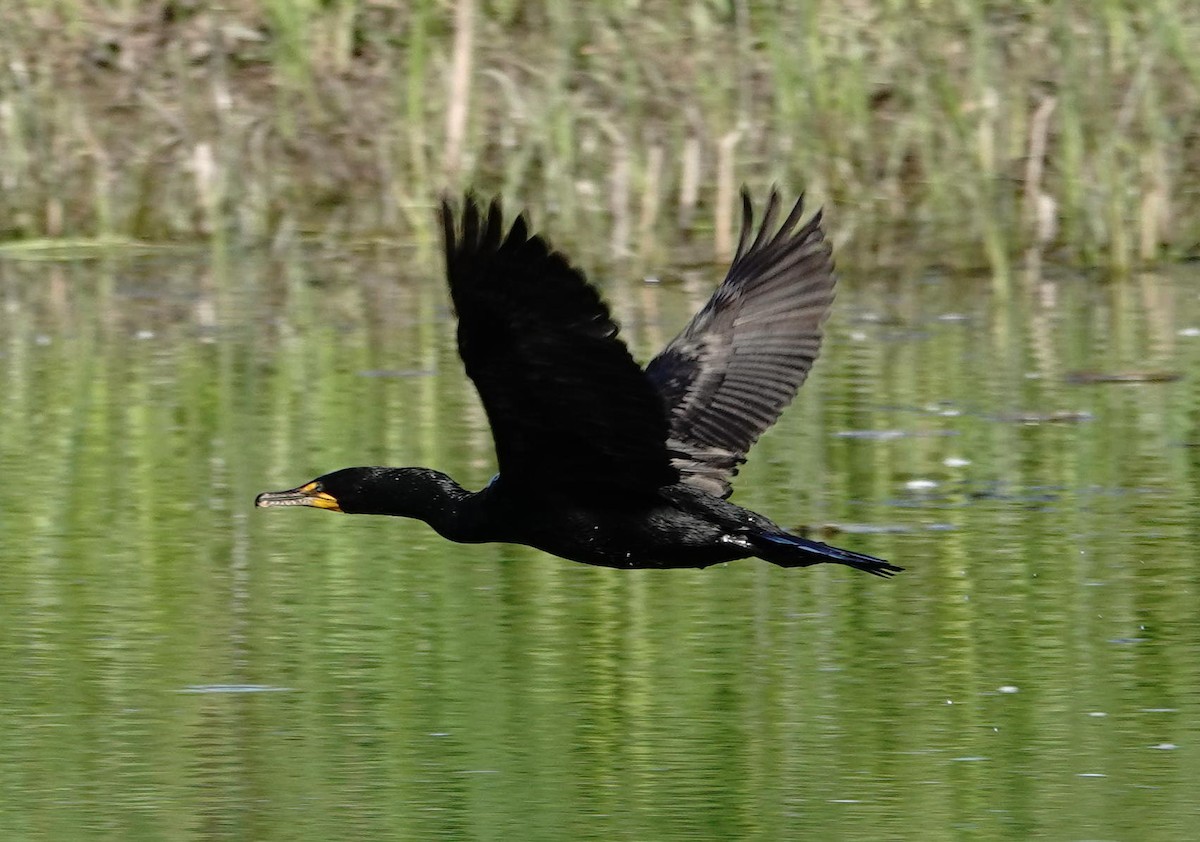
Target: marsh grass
x,y
925,126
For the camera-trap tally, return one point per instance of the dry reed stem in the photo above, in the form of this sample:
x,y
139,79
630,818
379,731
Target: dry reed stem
x,y
689,182
1037,221
723,225
460,88
651,200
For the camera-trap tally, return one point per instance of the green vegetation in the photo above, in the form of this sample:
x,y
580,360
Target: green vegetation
x,y
969,133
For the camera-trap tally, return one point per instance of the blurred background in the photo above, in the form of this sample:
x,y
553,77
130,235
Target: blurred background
x,y
961,132
220,274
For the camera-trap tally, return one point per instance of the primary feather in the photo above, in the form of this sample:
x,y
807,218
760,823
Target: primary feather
x,y
729,374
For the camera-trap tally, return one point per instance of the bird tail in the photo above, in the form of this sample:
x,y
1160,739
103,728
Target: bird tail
x,y
793,551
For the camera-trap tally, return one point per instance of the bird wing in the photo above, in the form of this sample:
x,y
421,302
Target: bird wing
x,y
728,375
570,409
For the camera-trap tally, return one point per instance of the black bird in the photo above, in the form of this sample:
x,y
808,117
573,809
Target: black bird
x,y
601,461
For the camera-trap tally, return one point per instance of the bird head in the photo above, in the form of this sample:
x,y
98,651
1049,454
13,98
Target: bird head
x,y
340,491
407,492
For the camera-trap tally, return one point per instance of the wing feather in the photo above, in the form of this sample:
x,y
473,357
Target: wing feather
x,y
570,410
728,375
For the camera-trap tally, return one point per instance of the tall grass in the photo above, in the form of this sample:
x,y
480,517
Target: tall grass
x,y
921,124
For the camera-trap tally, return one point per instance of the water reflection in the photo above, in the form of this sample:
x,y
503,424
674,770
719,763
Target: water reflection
x,y
176,664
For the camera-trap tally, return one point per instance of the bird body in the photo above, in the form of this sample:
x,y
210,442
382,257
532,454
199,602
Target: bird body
x,y
600,461
674,526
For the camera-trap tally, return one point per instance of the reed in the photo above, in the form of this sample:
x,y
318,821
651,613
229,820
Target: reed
x,y
924,126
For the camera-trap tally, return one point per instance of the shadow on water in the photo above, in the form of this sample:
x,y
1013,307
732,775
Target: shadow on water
x,y
179,664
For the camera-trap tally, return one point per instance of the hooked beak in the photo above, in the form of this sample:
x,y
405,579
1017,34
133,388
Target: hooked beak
x,y
306,495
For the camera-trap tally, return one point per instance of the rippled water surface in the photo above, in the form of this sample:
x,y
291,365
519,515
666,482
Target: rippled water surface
x,y
175,664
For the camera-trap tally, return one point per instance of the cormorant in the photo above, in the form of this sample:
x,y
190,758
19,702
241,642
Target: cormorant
x,y
600,461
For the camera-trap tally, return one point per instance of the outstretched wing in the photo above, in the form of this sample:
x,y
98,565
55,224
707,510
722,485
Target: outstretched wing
x,y
570,410
739,362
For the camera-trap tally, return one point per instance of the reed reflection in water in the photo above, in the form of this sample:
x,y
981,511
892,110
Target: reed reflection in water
x,y
179,665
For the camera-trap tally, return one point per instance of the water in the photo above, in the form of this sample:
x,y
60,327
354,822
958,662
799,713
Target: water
x,y
175,664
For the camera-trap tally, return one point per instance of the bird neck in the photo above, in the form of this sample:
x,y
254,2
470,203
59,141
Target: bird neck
x,y
425,495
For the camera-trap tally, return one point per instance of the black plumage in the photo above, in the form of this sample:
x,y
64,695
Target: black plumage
x,y
600,461
569,407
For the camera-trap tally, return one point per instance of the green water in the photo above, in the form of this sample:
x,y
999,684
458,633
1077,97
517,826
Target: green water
x,y
175,664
